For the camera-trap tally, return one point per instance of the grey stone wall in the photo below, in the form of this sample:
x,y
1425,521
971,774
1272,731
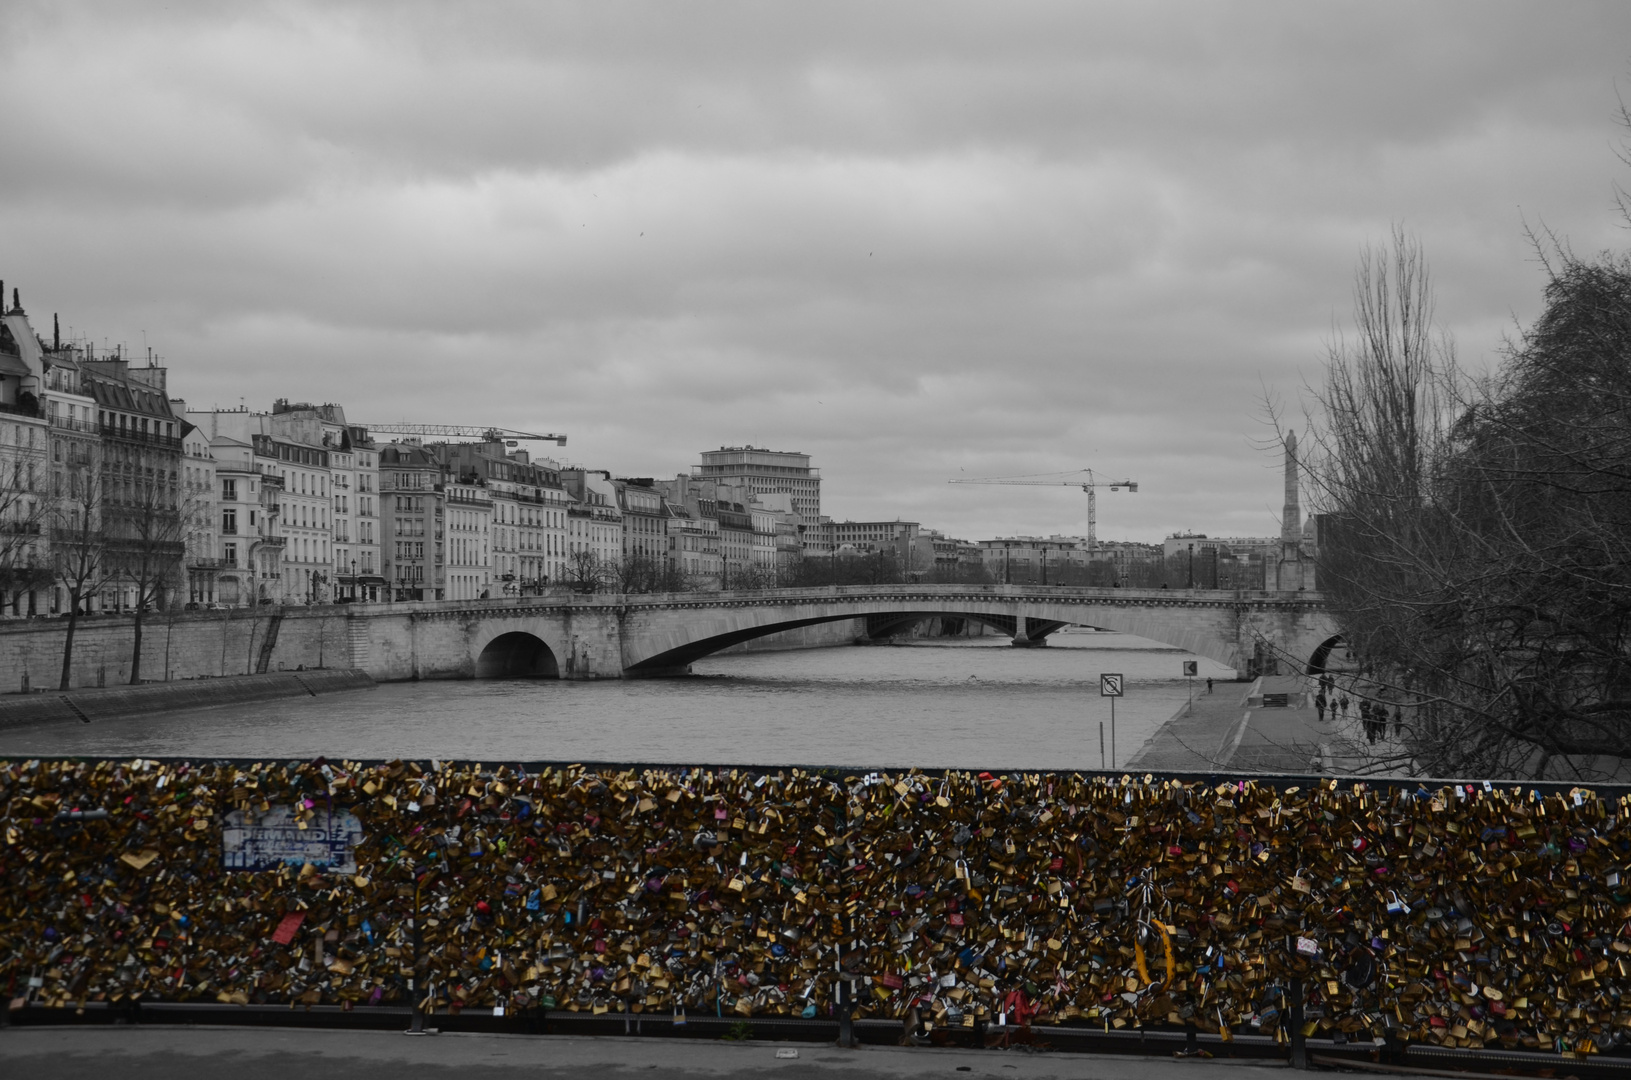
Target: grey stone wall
x,y
185,646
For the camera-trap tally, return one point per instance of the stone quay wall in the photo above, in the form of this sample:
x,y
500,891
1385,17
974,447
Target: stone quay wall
x,y
187,645
86,706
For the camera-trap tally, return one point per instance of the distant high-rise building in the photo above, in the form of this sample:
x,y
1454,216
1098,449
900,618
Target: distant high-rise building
x,y
765,472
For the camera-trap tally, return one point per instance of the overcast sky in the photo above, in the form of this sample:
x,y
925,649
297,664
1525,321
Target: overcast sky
x,y
916,241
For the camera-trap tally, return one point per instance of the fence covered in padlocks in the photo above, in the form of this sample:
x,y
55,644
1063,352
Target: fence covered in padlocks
x,y
1464,915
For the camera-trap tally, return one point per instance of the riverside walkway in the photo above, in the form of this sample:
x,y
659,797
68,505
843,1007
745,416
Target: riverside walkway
x,y
1223,730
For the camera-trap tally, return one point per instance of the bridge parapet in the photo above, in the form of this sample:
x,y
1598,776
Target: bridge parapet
x,y
851,593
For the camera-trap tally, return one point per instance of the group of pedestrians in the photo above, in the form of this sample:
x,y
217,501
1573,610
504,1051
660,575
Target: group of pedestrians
x,y
1373,714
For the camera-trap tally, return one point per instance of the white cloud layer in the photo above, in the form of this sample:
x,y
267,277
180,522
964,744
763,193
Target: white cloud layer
x,y
916,241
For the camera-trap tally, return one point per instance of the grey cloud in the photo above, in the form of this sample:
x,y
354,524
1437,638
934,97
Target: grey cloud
x,y
909,239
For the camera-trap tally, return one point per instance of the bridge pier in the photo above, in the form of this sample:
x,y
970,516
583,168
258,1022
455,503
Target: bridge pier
x,y
1022,635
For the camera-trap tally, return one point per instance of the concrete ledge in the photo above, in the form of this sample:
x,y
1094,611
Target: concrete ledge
x,y
87,706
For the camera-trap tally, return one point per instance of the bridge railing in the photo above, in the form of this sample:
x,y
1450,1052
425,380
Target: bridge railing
x,y
1017,594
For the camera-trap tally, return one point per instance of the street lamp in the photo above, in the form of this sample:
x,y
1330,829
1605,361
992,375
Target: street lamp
x,y
353,579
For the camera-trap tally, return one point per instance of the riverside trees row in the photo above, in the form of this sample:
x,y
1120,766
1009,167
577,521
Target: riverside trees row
x,y
1477,543
86,524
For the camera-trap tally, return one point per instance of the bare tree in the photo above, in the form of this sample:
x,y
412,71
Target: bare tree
x,y
587,572
76,545
145,546
642,573
25,509
1475,550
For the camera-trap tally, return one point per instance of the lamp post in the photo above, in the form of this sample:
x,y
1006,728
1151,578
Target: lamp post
x,y
353,580
1191,575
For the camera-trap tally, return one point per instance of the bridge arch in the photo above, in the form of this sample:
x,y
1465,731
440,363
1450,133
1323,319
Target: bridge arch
x,y
1238,630
517,655
1317,662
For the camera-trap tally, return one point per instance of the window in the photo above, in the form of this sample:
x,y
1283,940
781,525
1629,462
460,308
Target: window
x,y
229,491
229,522
229,554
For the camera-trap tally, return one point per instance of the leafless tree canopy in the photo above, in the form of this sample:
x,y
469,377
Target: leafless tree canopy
x,y
1476,545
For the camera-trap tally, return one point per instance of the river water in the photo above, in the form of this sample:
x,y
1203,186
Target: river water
x,y
976,704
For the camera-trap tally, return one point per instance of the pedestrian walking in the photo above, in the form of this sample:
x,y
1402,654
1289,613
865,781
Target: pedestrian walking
x,y
1365,720
1342,706
1208,686
1319,706
1398,722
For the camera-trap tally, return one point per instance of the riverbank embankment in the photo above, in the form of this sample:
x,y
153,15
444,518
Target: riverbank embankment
x,y
86,706
1231,728
175,645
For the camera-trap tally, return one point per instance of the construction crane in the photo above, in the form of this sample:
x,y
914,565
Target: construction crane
x,y
1087,485
461,431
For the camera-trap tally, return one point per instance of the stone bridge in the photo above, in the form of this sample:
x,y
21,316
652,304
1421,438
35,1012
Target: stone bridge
x,y
613,637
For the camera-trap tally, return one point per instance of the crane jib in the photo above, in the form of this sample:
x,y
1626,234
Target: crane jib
x,y
1086,485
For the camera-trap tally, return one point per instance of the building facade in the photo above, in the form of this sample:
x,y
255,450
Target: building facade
x,y
199,509
31,452
411,516
142,525
468,515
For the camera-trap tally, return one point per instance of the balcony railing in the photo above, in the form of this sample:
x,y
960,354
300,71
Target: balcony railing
x,y
168,442
20,528
17,409
66,424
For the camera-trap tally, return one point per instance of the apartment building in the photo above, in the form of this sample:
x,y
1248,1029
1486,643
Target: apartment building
x,y
786,547
594,519
140,484
247,496
200,525
411,519
528,512
353,463
468,522
693,531
28,446
645,526
758,471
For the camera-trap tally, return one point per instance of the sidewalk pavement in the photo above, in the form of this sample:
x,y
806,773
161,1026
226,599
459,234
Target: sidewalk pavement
x,y
1201,737
154,1052
1221,732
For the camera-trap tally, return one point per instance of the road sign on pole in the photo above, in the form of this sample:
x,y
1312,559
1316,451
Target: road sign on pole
x,y
1110,686
1192,667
